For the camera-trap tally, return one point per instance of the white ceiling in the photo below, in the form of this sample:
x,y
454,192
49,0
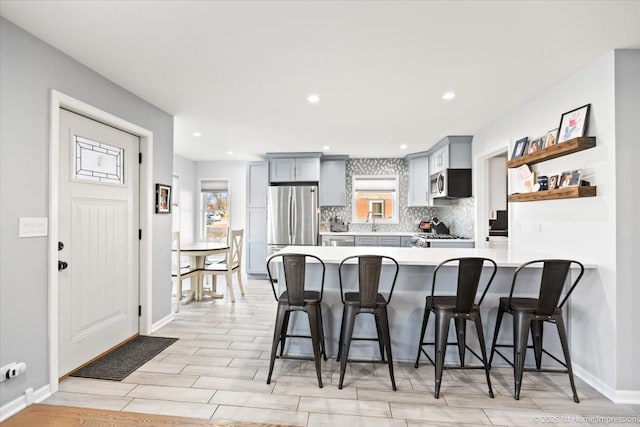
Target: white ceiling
x,y
240,72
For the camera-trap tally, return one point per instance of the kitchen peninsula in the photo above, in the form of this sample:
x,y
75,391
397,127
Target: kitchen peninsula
x,y
412,286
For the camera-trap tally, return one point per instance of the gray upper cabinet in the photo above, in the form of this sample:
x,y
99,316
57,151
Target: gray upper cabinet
x,y
294,169
418,194
452,152
333,182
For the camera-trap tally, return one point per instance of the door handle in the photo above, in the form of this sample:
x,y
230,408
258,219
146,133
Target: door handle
x,y
62,265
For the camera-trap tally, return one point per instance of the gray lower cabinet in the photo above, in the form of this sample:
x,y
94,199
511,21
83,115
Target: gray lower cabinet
x,y
451,244
366,241
405,241
391,241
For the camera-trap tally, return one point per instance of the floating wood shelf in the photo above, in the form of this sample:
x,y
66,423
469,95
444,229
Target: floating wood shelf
x,y
560,193
571,146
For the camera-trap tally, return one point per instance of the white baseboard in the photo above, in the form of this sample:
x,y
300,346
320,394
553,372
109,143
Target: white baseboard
x,y
616,396
627,396
19,403
162,322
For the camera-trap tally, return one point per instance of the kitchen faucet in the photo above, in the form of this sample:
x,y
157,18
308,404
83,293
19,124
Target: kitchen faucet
x,y
373,224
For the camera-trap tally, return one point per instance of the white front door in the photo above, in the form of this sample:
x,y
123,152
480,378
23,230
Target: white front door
x,y
99,217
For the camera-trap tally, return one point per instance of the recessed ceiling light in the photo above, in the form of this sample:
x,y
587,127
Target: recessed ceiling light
x,y
313,98
403,146
326,148
448,95
230,153
197,134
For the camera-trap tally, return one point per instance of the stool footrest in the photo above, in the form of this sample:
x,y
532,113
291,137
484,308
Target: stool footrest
x,y
384,362
538,370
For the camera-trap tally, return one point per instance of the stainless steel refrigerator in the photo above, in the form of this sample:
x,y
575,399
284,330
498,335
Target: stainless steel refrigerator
x,y
292,216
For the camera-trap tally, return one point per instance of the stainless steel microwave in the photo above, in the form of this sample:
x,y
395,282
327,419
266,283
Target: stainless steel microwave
x,y
451,183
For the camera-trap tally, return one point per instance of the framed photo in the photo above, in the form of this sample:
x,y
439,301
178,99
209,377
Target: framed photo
x,y
536,145
551,139
553,182
570,179
163,198
520,147
573,124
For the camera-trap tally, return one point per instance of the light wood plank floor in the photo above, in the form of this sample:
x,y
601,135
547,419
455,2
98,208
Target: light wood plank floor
x,y
218,369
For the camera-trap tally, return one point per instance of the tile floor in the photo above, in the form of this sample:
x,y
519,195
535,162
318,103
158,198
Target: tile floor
x,y
218,370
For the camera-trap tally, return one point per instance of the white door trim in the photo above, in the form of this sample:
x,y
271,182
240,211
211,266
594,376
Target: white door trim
x,y
481,190
60,100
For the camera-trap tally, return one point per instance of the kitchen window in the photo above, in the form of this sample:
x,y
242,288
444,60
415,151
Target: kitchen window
x,y
375,197
214,208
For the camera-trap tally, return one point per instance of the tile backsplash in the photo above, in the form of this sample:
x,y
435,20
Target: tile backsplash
x,y
459,216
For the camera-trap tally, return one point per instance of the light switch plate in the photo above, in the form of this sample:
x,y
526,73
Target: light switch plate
x,y
33,227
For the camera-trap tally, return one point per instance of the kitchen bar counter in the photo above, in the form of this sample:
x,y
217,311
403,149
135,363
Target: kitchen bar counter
x,y
412,286
387,233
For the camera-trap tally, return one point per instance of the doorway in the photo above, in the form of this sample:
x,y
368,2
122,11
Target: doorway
x,y
145,217
491,187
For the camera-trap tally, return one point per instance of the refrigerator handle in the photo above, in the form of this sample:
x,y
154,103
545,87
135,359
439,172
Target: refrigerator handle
x,y
290,218
294,218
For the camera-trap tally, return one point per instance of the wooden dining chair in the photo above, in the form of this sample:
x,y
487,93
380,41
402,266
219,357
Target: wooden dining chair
x,y
179,270
232,264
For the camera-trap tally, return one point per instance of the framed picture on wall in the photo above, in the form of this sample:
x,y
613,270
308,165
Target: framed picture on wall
x,y
573,124
163,198
520,147
551,139
570,178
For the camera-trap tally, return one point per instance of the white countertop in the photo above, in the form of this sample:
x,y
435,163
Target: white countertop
x,y
504,257
387,233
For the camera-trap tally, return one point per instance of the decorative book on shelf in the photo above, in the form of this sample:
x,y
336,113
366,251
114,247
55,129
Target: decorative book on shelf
x,y
571,146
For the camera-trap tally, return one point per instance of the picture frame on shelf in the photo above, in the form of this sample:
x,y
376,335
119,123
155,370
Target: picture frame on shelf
x,y
163,199
573,124
570,179
553,182
520,147
551,138
536,145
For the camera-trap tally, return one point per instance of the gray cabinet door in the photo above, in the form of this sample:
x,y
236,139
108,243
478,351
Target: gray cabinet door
x,y
453,244
282,170
333,183
366,241
257,241
257,184
405,241
391,241
418,194
307,169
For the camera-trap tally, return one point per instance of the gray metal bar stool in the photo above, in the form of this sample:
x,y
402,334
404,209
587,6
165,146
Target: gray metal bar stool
x,y
459,307
532,313
366,300
297,298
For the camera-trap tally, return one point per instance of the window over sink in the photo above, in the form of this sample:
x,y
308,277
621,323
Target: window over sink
x,y
375,197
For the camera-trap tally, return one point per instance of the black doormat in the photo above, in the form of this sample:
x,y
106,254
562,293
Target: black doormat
x,y
122,361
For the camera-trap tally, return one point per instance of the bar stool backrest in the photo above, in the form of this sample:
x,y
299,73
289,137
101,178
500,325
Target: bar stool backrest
x,y
369,269
294,266
469,272
554,277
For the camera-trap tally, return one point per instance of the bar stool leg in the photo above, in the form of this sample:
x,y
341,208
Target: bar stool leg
x,y
312,313
350,315
380,337
565,348
461,334
344,320
442,333
384,324
324,344
285,329
537,327
483,349
425,320
521,322
495,335
277,334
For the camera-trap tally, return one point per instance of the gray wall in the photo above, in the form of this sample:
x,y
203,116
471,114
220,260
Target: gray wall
x,y
29,69
188,201
627,78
